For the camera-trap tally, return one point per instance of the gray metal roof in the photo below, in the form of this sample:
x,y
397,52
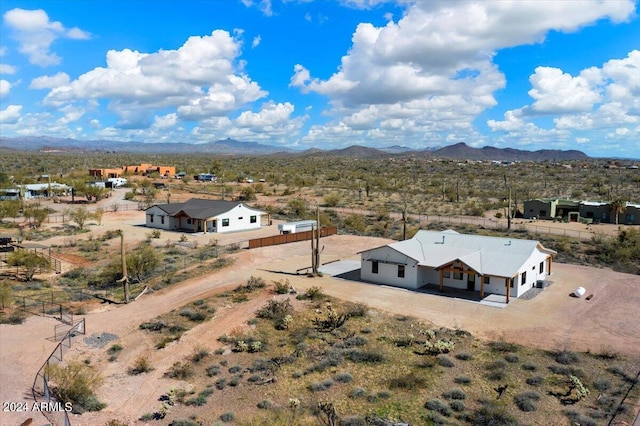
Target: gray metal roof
x,y
497,256
198,208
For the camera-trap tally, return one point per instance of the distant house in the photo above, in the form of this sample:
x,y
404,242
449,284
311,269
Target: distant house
x,y
143,169
199,215
568,210
504,266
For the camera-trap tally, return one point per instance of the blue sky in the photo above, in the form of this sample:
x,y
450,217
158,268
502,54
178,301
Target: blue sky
x,y
326,74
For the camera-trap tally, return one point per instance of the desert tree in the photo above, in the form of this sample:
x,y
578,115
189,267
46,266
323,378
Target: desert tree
x,y
142,261
9,208
29,261
80,215
35,214
618,206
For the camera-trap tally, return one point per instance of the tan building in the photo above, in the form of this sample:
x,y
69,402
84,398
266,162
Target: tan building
x,y
143,169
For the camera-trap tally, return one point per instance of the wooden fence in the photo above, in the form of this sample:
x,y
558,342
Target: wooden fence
x,y
290,238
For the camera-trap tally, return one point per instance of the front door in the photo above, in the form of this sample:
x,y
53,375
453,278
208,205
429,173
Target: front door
x,y
471,282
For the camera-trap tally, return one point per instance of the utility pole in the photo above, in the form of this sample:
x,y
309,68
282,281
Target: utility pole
x,y
317,252
404,222
508,203
125,277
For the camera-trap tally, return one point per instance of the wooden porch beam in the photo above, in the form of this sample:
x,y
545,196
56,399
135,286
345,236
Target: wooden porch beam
x,y
508,284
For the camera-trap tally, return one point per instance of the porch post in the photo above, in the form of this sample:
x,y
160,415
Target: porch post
x,y
507,282
549,266
481,286
441,280
204,225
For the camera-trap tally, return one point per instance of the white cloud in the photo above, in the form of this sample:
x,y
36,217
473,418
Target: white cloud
x,y
10,114
5,88
50,82
200,79
558,92
433,69
264,6
256,41
35,33
7,69
165,121
273,121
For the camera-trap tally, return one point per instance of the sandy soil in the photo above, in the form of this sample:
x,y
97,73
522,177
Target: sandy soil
x,y
551,320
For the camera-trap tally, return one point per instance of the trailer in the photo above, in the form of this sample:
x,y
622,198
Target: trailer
x,y
299,226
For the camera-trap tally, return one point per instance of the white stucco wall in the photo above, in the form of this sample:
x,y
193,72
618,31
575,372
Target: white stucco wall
x,y
239,219
388,272
157,214
532,267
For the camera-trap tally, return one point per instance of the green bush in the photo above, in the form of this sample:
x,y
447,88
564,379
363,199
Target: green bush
x,y
179,370
462,380
464,356
526,400
455,393
76,383
438,406
535,380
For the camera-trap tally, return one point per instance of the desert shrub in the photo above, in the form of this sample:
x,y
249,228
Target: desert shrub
x,y
353,421
357,393
141,365
462,380
491,414
455,393
566,357
332,359
199,355
504,346
435,418
221,383
372,357
445,361
265,404
526,401
282,286
512,358
313,293
602,384
227,417
15,318
352,342
114,349
535,380
464,356
76,383
235,380
407,381
440,346
235,369
384,394
180,371
529,366
577,418
201,399
157,325
355,310
277,311
438,406
321,386
457,405
343,378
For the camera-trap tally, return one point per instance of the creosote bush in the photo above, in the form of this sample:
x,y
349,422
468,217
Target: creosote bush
x,y
141,365
76,383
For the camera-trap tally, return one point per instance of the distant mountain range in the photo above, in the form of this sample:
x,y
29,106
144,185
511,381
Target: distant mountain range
x,y
459,151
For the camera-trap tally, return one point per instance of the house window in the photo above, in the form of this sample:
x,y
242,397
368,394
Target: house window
x,y
541,267
630,218
511,281
400,271
225,222
486,279
523,279
189,221
151,218
240,218
374,267
457,275
446,274
253,219
162,220
543,212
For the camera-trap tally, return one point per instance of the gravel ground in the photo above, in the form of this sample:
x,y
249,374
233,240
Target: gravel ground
x,y
99,340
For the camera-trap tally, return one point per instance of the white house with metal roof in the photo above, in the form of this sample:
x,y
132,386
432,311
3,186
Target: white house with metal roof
x,y
505,266
200,215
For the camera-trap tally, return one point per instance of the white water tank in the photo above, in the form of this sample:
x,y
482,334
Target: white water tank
x,y
580,291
